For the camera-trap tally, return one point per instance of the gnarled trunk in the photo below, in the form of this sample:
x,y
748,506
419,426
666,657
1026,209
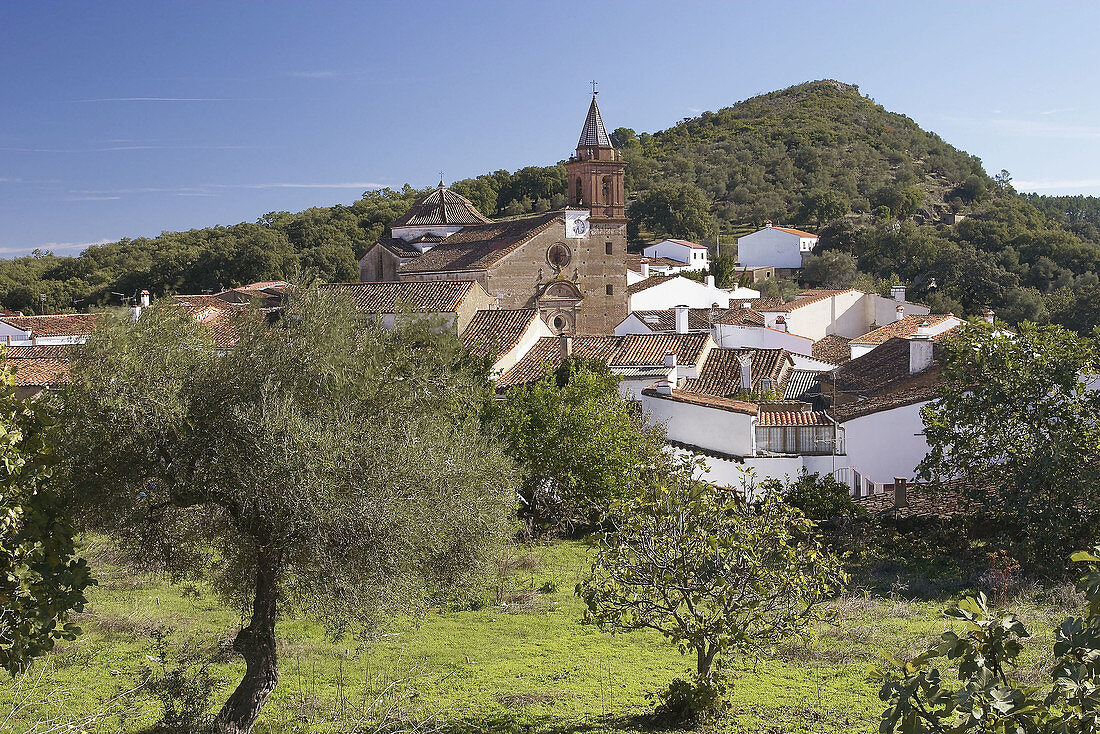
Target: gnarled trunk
x,y
256,643
704,660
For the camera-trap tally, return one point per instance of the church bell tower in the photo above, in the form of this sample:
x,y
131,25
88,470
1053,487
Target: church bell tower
x,y
596,171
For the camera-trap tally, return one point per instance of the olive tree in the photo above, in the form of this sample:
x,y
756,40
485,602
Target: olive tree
x,y
317,463
709,570
42,580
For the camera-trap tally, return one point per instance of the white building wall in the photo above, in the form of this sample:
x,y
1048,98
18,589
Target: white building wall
x,y
887,444
693,258
679,292
883,311
535,331
769,247
736,336
710,428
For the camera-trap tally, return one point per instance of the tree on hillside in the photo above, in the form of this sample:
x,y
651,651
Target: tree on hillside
x,y
42,581
830,269
922,699
579,445
713,573
823,207
673,210
723,269
1016,425
320,465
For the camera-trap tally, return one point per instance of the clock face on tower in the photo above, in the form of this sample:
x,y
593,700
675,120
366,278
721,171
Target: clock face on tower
x,y
580,227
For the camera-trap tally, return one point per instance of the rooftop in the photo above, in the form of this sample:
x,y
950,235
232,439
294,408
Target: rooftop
x,y
806,298
832,348
479,246
58,325
799,232
494,333
686,243
594,134
441,296
705,401
699,319
903,328
793,418
721,374
441,207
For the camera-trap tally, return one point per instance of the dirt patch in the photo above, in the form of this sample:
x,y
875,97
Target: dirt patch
x,y
520,700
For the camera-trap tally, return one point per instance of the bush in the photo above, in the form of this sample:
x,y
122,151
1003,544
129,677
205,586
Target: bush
x,y
701,702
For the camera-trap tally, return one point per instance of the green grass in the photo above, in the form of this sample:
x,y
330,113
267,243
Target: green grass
x,y
523,662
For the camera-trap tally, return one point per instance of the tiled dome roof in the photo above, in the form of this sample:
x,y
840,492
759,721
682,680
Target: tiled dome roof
x,y
594,134
441,207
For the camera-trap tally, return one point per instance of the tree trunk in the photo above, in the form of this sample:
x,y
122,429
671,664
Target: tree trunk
x,y
256,643
704,660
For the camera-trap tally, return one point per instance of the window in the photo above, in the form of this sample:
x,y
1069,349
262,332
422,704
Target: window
x,y
578,196
607,248
606,189
610,289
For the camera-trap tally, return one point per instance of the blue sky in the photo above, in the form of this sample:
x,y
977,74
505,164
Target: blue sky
x,y
129,118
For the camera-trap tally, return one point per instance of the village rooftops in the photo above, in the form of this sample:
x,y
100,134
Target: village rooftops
x,y
699,319
57,325
704,401
903,328
629,351
441,207
496,332
440,296
479,246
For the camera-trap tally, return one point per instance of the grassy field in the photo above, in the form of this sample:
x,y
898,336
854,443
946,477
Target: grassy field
x,y
522,663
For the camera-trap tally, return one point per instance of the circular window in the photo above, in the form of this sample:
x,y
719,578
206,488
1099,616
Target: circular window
x,y
560,323
558,255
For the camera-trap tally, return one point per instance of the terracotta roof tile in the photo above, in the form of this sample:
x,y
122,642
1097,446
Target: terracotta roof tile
x,y
648,283
706,401
441,207
67,324
699,319
740,317
55,351
903,328
805,299
398,247
833,349
479,246
721,375
686,243
799,232
440,296
793,418
633,350
494,333
40,372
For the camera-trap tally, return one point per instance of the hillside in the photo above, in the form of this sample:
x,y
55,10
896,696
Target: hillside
x,y
817,155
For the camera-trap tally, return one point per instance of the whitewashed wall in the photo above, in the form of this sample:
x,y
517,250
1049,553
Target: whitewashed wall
x,y
770,247
710,428
735,336
887,444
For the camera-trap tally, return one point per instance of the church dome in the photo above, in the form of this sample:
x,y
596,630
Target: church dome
x,y
442,207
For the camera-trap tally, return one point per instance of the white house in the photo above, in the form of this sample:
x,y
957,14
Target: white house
x,y
695,257
903,327
849,313
658,293
777,247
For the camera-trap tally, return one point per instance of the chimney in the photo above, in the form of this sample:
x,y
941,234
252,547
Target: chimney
x,y
989,315
664,387
899,312
135,311
781,323
746,371
710,281
144,299
566,343
768,224
901,499
682,319
897,292
645,269
670,363
920,350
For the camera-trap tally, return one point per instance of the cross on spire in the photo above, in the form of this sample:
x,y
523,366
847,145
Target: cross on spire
x,y
594,83
441,180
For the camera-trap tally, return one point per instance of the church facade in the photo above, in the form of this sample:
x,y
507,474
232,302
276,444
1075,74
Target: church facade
x,y
568,264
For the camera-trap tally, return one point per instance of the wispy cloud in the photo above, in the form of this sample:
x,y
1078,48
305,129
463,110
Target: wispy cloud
x,y
1058,111
171,99
122,148
1043,129
91,198
54,247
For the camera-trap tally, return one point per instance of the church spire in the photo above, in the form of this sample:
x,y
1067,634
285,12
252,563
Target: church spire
x,y
594,134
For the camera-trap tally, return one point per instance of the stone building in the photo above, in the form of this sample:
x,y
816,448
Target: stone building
x,y
569,264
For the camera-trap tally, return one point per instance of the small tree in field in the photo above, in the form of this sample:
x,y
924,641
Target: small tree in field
x,y
41,579
579,445
712,573
318,464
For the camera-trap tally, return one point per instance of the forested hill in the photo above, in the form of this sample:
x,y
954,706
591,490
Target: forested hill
x,y
817,155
